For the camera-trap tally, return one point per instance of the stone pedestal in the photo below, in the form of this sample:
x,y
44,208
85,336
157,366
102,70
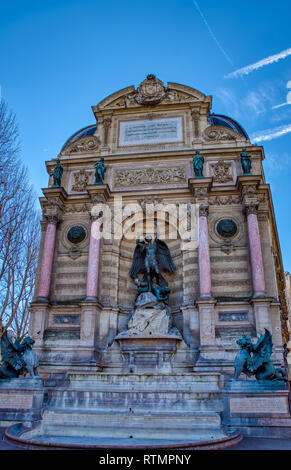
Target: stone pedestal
x,y
146,354
21,400
257,407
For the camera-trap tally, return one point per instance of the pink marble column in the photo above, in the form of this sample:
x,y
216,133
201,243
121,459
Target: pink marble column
x,y
47,259
93,260
256,258
203,254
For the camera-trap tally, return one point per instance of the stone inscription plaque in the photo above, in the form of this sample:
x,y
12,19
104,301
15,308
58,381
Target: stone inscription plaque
x,y
256,405
151,131
15,400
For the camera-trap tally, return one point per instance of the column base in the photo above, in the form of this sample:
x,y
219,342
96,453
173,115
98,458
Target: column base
x,y
259,295
205,297
43,300
91,299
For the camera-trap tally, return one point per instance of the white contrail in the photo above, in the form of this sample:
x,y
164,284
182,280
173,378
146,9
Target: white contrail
x,y
280,105
257,65
270,134
212,34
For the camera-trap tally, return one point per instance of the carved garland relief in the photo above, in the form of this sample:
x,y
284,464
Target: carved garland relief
x,y
142,176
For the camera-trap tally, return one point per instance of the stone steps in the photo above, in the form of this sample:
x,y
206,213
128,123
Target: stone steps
x,y
146,393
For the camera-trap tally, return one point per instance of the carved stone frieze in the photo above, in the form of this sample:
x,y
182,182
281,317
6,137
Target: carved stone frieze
x,y
85,144
224,200
75,208
136,177
220,133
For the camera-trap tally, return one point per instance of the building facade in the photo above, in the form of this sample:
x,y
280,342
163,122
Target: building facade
x,y
230,284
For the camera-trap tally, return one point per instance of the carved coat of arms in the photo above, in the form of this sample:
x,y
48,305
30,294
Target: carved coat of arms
x,y
150,91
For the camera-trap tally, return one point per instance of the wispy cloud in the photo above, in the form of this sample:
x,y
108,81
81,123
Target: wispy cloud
x,y
257,65
270,134
212,33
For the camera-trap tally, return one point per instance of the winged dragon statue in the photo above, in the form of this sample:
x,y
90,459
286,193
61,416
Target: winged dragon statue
x,y
17,357
255,359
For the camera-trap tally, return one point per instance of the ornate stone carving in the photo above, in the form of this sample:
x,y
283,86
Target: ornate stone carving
x,y
249,190
203,210
200,193
213,133
52,218
224,200
54,203
195,117
81,179
98,199
85,144
149,200
221,172
136,177
251,207
75,208
150,91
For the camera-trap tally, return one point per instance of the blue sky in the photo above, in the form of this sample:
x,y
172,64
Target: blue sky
x,y
59,57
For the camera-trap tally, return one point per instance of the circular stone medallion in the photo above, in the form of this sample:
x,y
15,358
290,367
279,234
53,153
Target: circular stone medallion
x,y
226,228
76,234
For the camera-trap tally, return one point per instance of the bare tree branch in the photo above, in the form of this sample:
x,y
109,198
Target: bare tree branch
x,y
19,230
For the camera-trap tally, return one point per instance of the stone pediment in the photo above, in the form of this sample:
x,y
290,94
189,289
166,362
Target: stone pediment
x,y
86,144
151,92
221,134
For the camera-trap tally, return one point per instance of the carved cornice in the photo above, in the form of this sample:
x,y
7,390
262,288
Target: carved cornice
x,y
224,200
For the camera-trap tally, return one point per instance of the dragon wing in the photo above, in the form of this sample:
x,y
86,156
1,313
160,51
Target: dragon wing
x,y
262,350
165,260
9,352
137,265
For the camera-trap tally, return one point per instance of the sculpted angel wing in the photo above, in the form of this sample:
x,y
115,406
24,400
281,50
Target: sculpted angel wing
x,y
10,353
262,350
137,265
165,260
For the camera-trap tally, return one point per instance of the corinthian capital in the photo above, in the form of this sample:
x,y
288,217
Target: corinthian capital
x,y
203,210
52,218
251,207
